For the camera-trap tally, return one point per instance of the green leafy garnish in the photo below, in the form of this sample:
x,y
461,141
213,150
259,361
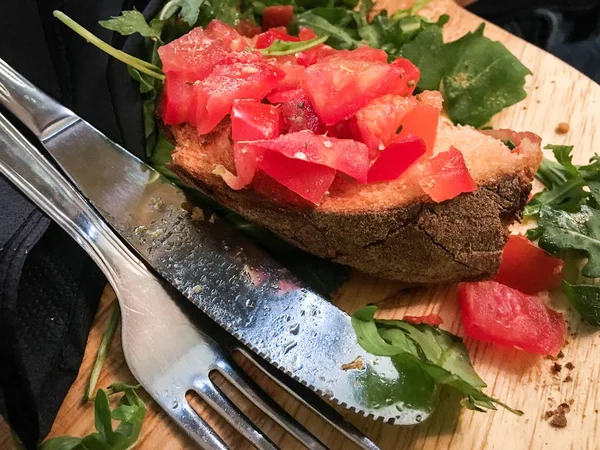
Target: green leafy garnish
x,y
568,221
510,144
585,299
130,22
102,350
138,64
440,355
187,10
282,48
580,231
130,413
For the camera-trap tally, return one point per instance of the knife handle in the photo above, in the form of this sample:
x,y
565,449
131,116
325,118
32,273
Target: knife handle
x,y
38,111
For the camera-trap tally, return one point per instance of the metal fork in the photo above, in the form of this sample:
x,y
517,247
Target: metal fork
x,y
170,347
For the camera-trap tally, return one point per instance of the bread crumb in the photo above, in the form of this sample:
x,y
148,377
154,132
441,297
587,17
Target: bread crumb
x,y
556,367
563,408
568,379
569,365
559,421
563,128
197,214
549,414
358,364
560,355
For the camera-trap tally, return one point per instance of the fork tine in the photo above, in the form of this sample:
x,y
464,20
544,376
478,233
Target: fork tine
x,y
256,395
311,400
197,428
222,405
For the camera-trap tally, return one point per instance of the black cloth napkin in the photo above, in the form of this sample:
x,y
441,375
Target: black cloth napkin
x,y
49,289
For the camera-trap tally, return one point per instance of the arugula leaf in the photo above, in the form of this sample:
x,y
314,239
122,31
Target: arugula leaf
x,y
226,11
428,52
565,182
282,48
562,231
130,22
440,355
585,299
130,412
338,37
484,79
189,10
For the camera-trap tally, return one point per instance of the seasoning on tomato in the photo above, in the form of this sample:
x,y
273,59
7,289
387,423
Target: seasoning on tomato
x,y
215,94
298,115
446,176
346,155
502,315
527,267
338,88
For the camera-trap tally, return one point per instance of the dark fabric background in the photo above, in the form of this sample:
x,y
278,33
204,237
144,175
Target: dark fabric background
x,y
49,289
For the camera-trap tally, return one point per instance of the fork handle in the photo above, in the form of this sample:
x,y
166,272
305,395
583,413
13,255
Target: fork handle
x,y
37,110
25,166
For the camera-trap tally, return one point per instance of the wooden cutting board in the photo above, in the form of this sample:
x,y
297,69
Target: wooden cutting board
x,y
556,93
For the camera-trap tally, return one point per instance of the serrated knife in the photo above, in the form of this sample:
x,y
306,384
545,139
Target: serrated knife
x,y
214,266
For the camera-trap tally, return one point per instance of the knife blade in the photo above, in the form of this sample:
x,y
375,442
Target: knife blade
x,y
220,271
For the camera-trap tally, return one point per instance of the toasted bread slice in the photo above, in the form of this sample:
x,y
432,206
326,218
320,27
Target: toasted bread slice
x,y
390,229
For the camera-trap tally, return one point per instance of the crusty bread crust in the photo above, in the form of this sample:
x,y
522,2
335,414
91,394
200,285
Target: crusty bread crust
x,y
392,229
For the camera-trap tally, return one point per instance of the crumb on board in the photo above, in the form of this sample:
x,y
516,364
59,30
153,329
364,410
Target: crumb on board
x,y
569,365
564,408
556,367
560,355
559,420
568,379
358,364
562,128
548,414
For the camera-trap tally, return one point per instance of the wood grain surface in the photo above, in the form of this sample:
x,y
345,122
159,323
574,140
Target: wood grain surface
x,y
556,93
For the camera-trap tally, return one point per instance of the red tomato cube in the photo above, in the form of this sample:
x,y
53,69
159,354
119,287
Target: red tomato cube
x,y
396,158
527,267
277,16
502,315
447,176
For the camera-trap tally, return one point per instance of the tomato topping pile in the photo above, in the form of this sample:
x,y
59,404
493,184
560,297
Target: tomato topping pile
x,y
500,314
304,119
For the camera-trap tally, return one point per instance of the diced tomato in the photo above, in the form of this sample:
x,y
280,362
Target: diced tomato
x,y
177,100
527,267
314,55
246,158
431,98
308,180
342,130
248,29
193,56
430,319
421,121
345,155
338,88
306,34
383,116
265,39
253,121
226,35
396,158
364,53
294,76
447,176
500,314
408,77
215,95
277,16
299,115
285,96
